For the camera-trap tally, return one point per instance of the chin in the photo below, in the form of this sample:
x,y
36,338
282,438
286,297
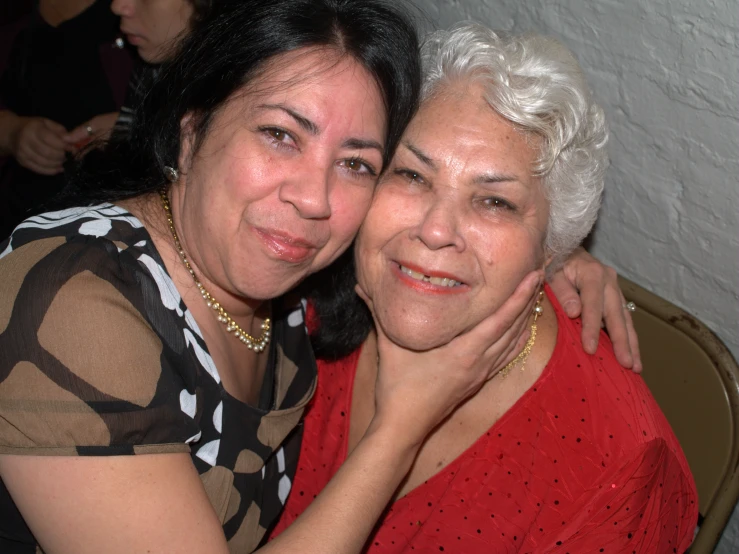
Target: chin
x,y
417,335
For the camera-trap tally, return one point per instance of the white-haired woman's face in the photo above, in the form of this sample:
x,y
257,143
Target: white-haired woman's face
x,y
455,224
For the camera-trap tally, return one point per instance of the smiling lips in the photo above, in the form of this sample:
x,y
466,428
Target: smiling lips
x,y
437,282
286,248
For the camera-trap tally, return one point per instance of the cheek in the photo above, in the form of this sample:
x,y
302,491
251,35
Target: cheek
x,y
349,206
506,257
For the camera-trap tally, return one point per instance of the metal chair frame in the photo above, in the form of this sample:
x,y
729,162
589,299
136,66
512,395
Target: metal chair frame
x,y
717,504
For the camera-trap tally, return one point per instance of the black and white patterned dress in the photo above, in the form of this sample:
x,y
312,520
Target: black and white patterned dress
x,y
99,356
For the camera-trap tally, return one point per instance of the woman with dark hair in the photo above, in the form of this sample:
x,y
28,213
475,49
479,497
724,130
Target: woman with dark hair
x,y
153,372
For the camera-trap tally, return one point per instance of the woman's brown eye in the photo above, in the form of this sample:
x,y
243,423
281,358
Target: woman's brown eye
x,y
279,135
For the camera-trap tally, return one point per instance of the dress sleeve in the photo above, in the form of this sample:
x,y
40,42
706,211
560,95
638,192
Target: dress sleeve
x,y
83,371
647,503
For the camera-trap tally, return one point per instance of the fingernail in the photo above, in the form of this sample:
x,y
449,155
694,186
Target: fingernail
x,y
570,307
592,346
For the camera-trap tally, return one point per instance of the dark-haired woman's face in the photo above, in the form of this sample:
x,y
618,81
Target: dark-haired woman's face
x,y
284,176
153,26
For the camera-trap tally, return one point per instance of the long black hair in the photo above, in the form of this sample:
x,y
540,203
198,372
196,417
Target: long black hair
x,y
222,53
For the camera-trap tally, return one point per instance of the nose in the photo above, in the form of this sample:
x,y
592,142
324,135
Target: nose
x,y
122,7
439,226
309,194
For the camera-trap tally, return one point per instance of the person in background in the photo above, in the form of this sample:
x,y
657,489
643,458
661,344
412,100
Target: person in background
x,y
499,173
153,28
63,85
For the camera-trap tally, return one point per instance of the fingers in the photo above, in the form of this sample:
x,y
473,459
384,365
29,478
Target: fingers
x,y
566,293
616,317
634,344
509,318
40,147
50,135
76,136
592,296
38,163
41,169
515,348
56,128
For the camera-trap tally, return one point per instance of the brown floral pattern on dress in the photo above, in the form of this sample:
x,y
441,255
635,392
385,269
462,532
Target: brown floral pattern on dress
x,y
99,356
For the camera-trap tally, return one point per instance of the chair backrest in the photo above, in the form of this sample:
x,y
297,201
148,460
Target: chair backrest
x,y
695,380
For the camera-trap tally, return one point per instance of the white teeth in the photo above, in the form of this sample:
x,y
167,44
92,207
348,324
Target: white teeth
x,y
441,281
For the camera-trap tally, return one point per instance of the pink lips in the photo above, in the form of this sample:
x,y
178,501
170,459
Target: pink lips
x,y
426,287
134,40
285,247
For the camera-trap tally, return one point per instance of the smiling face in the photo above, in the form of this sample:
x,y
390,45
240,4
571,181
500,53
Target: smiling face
x,y
284,176
456,223
152,26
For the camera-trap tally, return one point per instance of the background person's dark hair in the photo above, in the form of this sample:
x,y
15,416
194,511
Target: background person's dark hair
x,y
222,53
200,9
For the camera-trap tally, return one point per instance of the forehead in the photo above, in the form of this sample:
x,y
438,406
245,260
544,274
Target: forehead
x,y
458,121
309,68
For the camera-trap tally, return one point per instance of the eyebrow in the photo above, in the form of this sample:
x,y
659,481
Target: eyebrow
x,y
485,178
361,144
304,122
425,159
313,129
490,178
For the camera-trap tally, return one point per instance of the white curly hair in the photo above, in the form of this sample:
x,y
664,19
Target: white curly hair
x,y
536,83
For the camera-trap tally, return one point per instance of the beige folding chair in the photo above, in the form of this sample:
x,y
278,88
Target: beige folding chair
x,y
695,380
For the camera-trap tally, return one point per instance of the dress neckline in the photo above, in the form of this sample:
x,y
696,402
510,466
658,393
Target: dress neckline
x,y
449,470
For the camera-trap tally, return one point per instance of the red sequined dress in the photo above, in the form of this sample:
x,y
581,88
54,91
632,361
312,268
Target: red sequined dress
x,y
584,462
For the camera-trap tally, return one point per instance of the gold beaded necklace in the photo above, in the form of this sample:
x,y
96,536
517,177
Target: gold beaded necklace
x,y
521,358
252,343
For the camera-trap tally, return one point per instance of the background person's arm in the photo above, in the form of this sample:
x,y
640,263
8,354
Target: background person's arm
x,y
99,127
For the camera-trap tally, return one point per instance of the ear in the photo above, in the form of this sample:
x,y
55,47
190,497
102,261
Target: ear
x,y
187,142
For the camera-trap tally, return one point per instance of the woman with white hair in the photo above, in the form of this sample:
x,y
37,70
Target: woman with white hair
x,y
500,173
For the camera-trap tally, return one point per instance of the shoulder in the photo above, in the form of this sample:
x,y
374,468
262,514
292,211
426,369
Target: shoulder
x,y
646,502
86,328
596,397
76,298
84,256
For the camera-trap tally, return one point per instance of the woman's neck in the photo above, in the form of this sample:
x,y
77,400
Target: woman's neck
x,y
240,368
471,419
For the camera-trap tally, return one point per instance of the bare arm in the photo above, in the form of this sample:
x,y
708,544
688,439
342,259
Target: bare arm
x,y
118,504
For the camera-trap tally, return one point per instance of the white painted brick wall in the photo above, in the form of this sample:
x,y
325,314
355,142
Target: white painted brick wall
x,y
667,75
